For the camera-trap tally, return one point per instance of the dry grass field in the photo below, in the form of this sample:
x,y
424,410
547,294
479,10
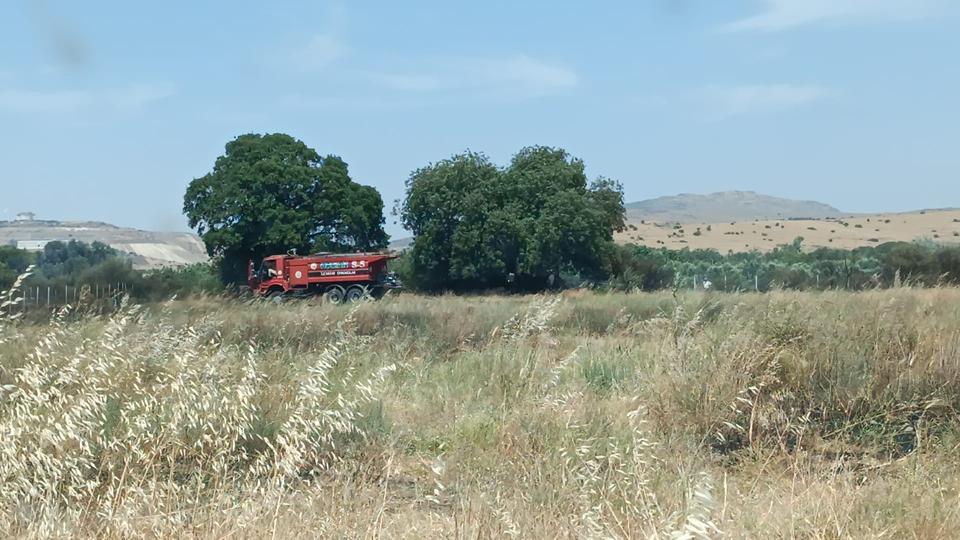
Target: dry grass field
x,y
764,235
786,415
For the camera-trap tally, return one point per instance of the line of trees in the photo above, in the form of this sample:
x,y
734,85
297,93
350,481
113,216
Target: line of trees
x,y
475,225
789,267
74,264
536,223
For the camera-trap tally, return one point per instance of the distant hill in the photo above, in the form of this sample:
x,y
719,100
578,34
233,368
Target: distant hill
x,y
726,206
401,244
147,249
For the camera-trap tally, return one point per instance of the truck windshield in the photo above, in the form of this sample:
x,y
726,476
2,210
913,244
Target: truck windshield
x,y
268,269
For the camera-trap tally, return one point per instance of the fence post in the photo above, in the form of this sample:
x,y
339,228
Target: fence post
x,y
48,295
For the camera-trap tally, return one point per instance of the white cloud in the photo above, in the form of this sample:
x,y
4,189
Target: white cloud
x,y
408,82
318,52
133,97
512,76
525,74
138,96
41,101
780,15
367,103
727,101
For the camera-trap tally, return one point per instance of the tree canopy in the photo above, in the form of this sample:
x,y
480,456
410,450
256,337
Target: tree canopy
x,y
272,193
13,262
475,224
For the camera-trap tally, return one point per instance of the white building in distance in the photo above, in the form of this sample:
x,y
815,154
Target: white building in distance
x,y
25,216
32,245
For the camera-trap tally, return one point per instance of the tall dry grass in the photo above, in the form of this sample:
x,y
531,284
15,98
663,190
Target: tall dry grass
x,y
829,415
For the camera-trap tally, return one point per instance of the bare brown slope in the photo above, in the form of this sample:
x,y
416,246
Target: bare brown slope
x,y
763,235
148,249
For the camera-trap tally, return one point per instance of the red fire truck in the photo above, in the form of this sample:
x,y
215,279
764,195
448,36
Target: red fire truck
x,y
338,278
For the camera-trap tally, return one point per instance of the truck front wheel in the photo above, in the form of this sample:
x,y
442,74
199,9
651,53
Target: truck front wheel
x,y
334,294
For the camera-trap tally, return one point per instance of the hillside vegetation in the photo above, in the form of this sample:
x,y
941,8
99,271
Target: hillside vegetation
x,y
740,236
787,267
821,415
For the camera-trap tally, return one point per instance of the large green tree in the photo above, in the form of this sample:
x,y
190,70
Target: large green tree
x,y
475,224
272,193
13,262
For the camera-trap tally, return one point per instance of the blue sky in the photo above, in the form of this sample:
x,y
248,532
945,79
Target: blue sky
x,y
110,108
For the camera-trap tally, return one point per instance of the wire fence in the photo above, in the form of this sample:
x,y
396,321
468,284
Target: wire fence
x,y
53,296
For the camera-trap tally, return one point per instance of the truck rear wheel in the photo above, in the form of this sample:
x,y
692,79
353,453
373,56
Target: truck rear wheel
x,y
356,293
334,294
